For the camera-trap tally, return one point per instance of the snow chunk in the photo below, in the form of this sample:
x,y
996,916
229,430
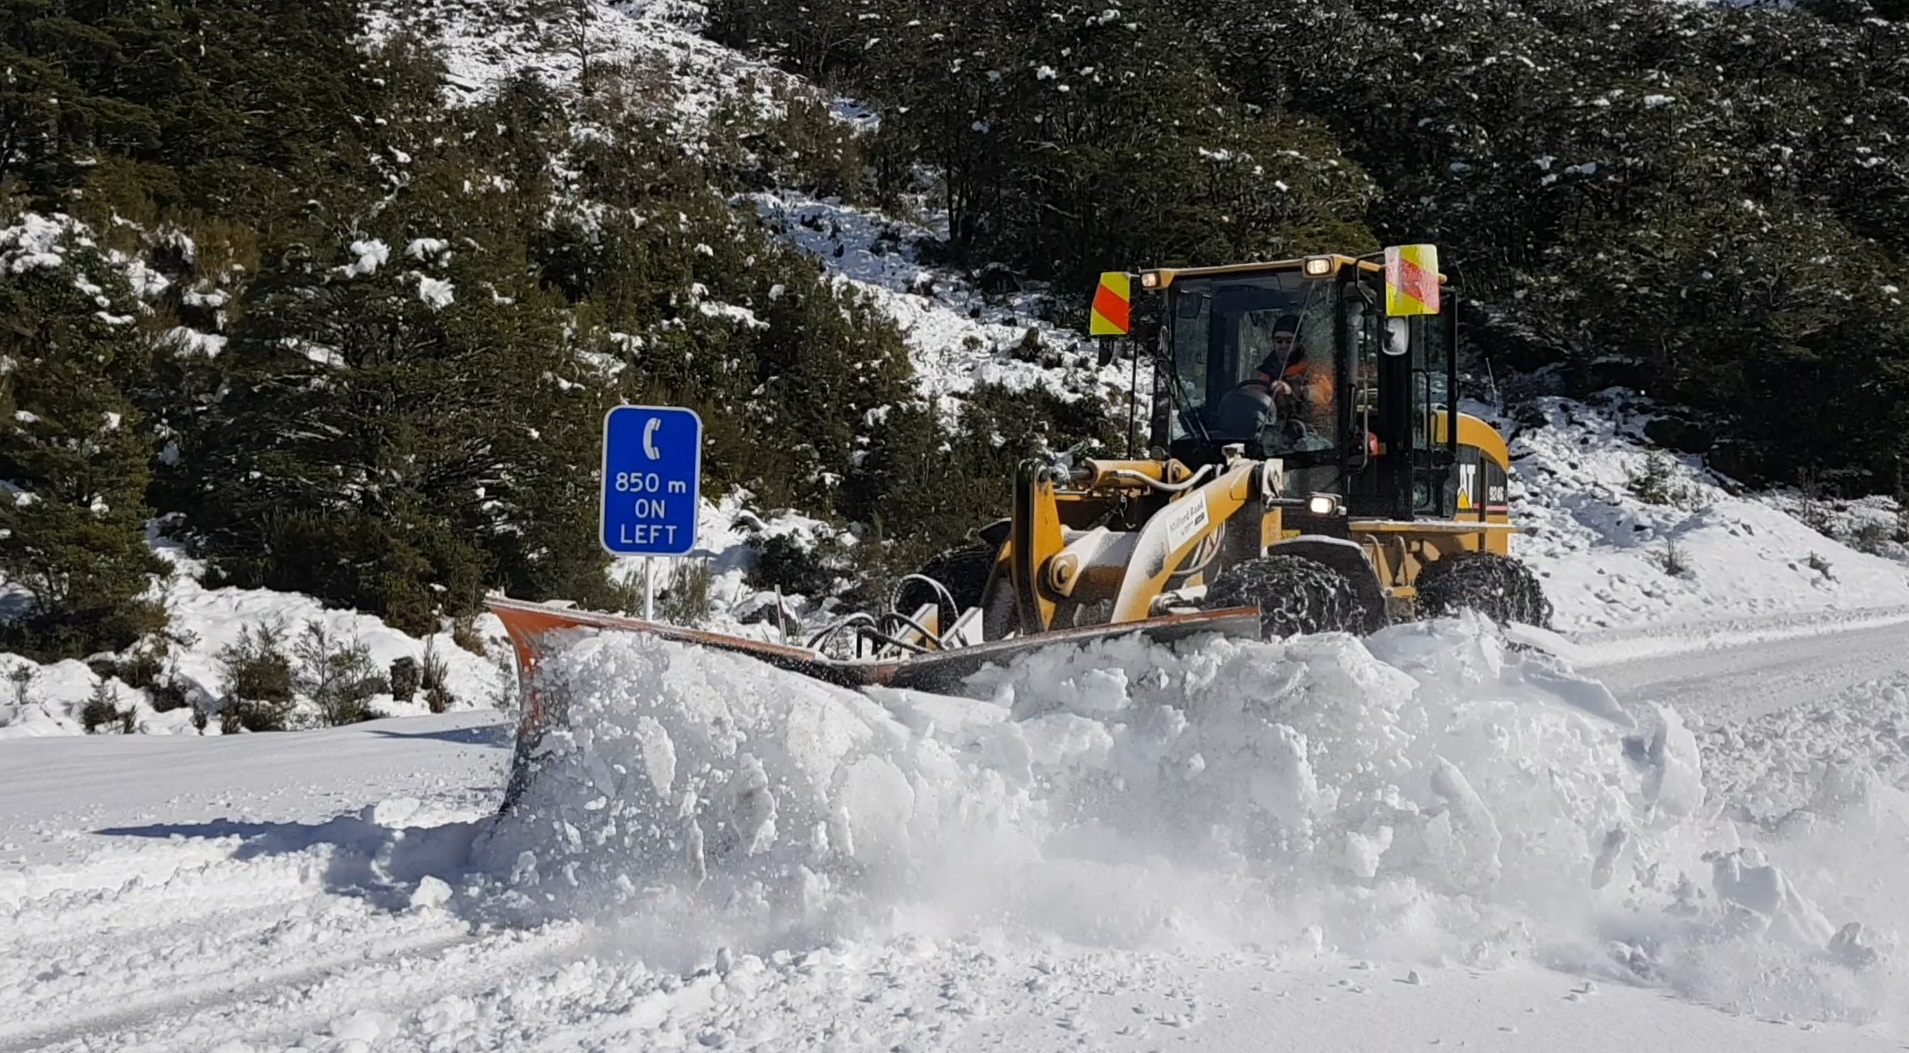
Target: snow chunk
x,y
435,292
371,255
1675,780
34,242
189,341
732,312
431,893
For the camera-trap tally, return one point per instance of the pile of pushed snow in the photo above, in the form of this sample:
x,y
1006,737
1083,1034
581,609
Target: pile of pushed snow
x,y
1622,535
1424,793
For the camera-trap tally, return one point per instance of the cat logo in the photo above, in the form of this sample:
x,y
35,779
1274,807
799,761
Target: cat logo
x,y
1467,480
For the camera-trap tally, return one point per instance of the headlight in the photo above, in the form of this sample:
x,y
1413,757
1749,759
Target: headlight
x,y
1318,266
1323,505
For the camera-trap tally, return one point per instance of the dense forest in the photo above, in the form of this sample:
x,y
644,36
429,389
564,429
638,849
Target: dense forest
x,y
1708,202
262,283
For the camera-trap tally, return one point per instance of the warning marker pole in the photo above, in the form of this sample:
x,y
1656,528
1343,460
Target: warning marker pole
x,y
1110,318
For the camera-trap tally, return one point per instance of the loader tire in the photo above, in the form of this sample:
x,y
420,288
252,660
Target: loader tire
x,y
1295,595
1498,587
962,571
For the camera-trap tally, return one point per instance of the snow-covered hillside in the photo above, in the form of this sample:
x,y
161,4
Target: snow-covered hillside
x,y
958,335
1627,538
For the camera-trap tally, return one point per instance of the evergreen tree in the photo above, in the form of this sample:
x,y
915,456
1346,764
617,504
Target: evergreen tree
x,y
382,395
51,118
73,451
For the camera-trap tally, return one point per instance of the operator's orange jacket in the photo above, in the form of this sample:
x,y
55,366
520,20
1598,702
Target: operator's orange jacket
x,y
1313,386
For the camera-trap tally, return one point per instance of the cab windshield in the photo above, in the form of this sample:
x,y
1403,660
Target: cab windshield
x,y
1253,360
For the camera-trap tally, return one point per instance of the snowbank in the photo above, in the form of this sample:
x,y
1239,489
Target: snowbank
x,y
1424,795
40,700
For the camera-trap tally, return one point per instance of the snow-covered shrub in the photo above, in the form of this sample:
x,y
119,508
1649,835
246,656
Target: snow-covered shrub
x,y
405,677
686,599
101,709
259,678
1658,481
1675,561
434,677
786,562
337,675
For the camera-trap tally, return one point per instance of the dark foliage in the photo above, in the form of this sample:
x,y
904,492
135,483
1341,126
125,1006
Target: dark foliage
x,y
1710,201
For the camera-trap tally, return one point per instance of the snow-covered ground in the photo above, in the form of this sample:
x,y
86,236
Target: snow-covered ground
x,y
958,337
1419,840
1687,555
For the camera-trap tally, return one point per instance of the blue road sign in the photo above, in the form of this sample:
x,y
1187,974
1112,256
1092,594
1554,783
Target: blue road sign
x,y
652,480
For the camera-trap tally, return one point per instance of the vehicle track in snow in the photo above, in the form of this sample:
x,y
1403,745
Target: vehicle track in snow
x,y
161,929
1722,685
205,936
127,1017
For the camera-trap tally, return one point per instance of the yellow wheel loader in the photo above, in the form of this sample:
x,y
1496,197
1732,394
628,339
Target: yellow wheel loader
x,y
1308,470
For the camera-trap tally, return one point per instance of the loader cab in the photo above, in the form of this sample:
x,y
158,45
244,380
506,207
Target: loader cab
x,y
1371,383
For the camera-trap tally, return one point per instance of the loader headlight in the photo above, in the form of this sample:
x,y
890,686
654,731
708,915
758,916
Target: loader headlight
x,y
1318,266
1324,505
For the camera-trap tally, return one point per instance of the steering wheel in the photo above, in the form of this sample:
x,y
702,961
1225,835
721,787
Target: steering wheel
x,y
1282,402
1257,393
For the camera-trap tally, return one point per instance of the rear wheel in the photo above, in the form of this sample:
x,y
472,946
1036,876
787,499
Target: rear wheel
x,y
962,571
1498,587
1295,595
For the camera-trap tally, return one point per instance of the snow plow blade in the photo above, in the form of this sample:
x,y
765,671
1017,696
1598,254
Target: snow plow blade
x,y
531,627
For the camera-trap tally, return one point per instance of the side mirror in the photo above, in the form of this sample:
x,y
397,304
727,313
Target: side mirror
x,y
1398,336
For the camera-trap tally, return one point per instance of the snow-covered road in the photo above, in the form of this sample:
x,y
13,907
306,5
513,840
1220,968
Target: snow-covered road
x,y
334,890
1743,680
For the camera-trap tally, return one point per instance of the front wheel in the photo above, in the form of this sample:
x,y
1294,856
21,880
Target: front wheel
x,y
1295,595
1498,587
962,571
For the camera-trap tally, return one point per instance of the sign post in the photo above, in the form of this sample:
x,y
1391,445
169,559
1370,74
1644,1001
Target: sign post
x,y
651,486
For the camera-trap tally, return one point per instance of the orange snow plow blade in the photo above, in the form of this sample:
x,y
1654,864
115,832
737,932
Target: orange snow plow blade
x,y
530,626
